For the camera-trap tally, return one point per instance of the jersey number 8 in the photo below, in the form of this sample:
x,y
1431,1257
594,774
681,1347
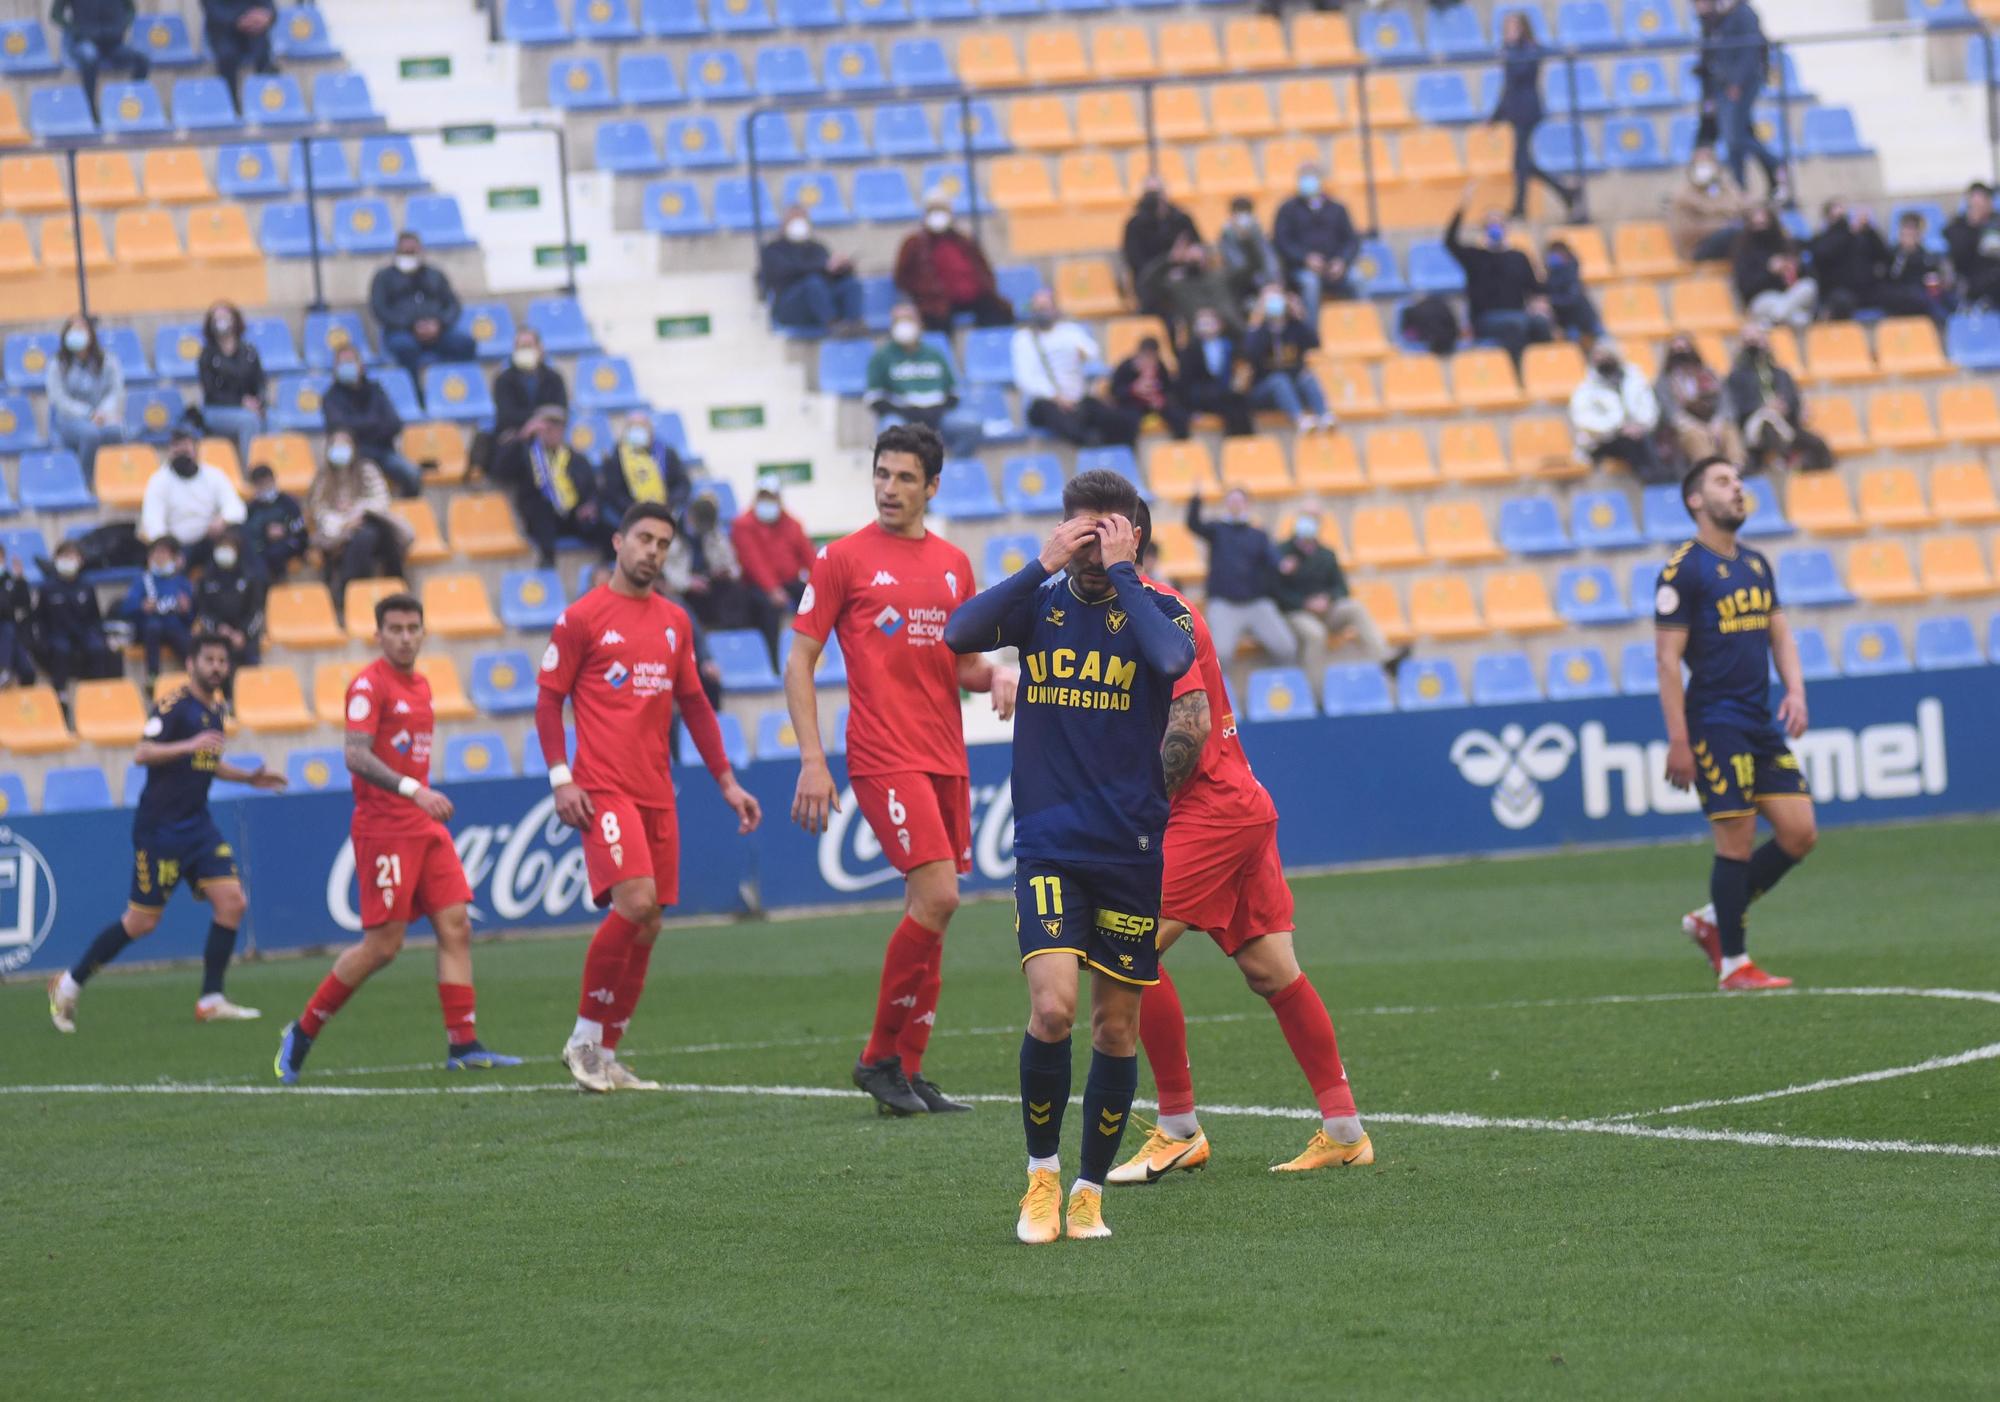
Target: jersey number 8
x,y
607,824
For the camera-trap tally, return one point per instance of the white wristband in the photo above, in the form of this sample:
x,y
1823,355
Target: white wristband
x,y
559,776
407,787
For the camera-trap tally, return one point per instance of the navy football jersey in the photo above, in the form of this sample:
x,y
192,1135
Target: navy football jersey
x,y
1724,603
176,793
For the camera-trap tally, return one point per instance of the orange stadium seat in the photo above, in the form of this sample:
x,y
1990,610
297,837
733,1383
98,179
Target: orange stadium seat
x,y
17,252
1489,152
1551,372
106,180
1441,606
1122,335
1020,182
481,525
1379,597
166,684
1836,420
220,233
1484,379
1188,47
12,132
1224,169
1327,462
1541,446
1056,56
122,473
1177,471
1962,493
1178,113
1344,165
1385,537
1242,110
59,245
1181,554
301,615
1517,601
176,175
1311,104
1122,51
1704,304
1952,566
1457,532
1900,419
457,606
1642,248
1040,124
1470,454
1399,457
1352,331
33,185
1892,499
359,606
1283,158
1109,119
1388,102
290,458
146,238
1430,153
1257,465
220,454
439,446
1880,572
1593,255
1084,180
1819,502
989,60
1255,44
448,697
1350,389
1171,166
1968,414
1632,309
330,683
1087,287
1837,353
109,712
1321,40
1908,345
31,721
1414,384
269,699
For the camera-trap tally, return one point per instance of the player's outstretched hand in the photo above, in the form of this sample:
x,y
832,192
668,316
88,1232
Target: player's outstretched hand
x,y
1065,540
1680,764
748,811
434,804
265,779
1120,541
573,805
1006,685
209,742
815,797
1792,715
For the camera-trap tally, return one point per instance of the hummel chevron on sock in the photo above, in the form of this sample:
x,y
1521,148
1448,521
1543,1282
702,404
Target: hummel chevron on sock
x,y
1729,889
903,966
921,1016
1768,865
1107,1104
325,1002
456,999
1163,1033
215,955
1044,1093
631,983
109,944
604,967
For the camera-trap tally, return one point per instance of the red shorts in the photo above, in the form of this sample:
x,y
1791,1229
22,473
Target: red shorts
x,y
919,818
1227,881
405,876
623,841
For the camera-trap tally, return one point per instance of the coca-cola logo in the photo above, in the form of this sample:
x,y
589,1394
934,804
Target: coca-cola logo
x,y
851,858
516,871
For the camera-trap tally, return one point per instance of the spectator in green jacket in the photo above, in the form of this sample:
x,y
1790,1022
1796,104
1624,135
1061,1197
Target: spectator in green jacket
x,y
910,381
1311,588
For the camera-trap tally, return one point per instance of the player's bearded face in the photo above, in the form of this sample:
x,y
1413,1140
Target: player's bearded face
x,y
211,668
901,489
1725,502
1086,567
642,551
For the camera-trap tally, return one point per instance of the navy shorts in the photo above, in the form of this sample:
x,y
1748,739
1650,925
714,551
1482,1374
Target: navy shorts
x,y
163,860
1736,769
1105,914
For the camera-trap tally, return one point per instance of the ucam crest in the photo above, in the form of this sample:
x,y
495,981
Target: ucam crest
x,y
851,859
27,899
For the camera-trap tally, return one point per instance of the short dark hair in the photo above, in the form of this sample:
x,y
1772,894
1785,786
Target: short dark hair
x,y
1691,483
644,511
397,603
1912,217
202,640
262,471
1241,204
920,441
1142,523
1103,491
1979,187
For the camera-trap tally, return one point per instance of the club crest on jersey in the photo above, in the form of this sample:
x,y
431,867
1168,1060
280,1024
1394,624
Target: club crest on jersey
x,y
401,744
1055,618
1145,843
1053,925
1186,621
616,674
1114,619
673,640
951,582
888,620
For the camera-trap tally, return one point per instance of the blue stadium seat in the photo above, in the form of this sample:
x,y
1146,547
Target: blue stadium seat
x,y
1280,693
1603,521
1018,283
479,754
1553,149
1638,672
316,769
1118,459
300,34
736,17
1433,269
1032,484
1639,84
819,194
20,430
696,143
1008,555
668,429
672,19
1633,143
533,22
1504,679
1680,139
1664,520
903,131
327,332
1356,689
883,12
996,416
776,143
1457,33
579,85
1388,36
298,404
131,109
332,173
13,796
1655,23
437,221
1590,94
176,348
533,765
150,414
1872,650
560,322
590,434
1972,340
1642,582
1376,271
24,545
531,600
1428,684
1444,97
1816,661
920,63
1941,14
402,391
1767,517
744,660
61,114
732,205
1588,594
343,98
1978,59
274,101
785,70
363,225
965,492
882,195
988,135
1586,24
1579,674
284,231
1533,526
25,49
648,80
605,21
1084,7
248,172
626,148
674,207
944,11
604,385
989,356
716,75
734,743
54,482
775,737
854,68
491,326
76,790
1007,9
1947,642
1808,577
122,344
272,338
202,104
503,683
134,785
843,366
832,667
457,393
27,358
808,14
1828,132
1934,220
834,134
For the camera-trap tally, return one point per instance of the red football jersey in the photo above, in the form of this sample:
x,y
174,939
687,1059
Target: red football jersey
x,y
620,661
887,598
393,709
1222,792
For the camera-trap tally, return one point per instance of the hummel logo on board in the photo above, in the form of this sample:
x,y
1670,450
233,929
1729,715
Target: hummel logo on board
x,y
884,577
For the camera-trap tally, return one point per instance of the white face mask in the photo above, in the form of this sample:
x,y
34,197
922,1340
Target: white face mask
x,y
225,557
68,568
766,509
1247,222
77,339
527,358
340,454
1307,528
1274,305
408,262
938,220
639,436
1703,174
223,323
798,230
904,333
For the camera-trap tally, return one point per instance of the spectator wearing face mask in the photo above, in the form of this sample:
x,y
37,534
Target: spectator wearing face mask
x,y
555,488
1706,211
1502,292
1913,281
1562,285
1052,360
229,603
188,502
1242,571
1155,226
910,381
1692,411
1845,255
239,35
1183,281
69,628
1520,107
1613,414
702,571
1767,272
1280,338
86,390
1973,236
526,383
274,528
98,34
1212,372
160,608
1317,240
811,291
1249,258
1763,401
1144,385
775,554
17,620
640,466
349,520
232,379
1312,590
418,311
943,272
358,406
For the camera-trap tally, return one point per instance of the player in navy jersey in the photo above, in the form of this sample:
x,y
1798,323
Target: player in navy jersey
x,y
1717,610
1100,653
174,839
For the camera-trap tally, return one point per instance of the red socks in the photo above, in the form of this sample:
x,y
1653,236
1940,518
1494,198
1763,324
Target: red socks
x,y
604,967
631,982
456,1000
904,965
922,1015
324,1003
1163,1033
1303,1018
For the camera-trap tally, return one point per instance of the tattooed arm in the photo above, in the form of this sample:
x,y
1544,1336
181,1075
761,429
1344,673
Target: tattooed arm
x,y
364,764
1187,732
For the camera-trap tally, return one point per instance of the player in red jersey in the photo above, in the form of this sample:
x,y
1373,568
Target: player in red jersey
x,y
403,853
622,655
1223,876
885,592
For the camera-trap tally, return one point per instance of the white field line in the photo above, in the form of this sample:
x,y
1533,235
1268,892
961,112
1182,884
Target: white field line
x,y
1989,1052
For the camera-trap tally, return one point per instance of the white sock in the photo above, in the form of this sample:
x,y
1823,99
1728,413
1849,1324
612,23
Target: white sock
x,y
1732,962
1053,1163
208,1000
1343,1129
69,987
587,1031
1180,1126
1085,1183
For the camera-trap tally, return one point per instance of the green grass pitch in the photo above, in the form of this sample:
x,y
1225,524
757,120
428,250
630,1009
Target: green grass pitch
x,y
731,1245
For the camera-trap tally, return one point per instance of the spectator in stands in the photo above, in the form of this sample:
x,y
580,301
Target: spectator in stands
x,y
232,379
702,570
1213,374
1562,284
229,601
1316,240
1052,358
1187,279
811,291
1913,281
1845,255
1973,237
1765,406
910,381
1280,338
239,35
775,554
349,520
1249,258
1143,384
1766,269
274,528
555,487
944,272
86,390
1694,419
1706,211
641,466
1156,225
1312,590
1735,55
527,383
1520,107
1502,292
160,608
188,502
97,34
1613,414
418,312
357,404
69,629
17,623
1242,568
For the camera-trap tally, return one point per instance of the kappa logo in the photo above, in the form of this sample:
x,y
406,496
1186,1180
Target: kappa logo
x,y
611,635
907,1001
616,674
601,995
1114,619
883,577
1514,764
402,708
363,684
889,621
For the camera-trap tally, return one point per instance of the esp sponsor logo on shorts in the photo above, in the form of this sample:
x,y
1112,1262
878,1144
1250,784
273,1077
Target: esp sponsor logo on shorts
x,y
1120,925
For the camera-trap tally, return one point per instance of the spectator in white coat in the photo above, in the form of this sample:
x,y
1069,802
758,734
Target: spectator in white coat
x,y
1614,414
1052,361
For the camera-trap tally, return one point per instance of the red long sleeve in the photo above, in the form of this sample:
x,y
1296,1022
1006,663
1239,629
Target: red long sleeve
x,y
549,727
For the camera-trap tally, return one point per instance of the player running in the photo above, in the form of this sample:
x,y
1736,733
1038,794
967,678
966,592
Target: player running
x,y
404,860
174,840
1223,875
1103,651
1717,610
886,592
622,655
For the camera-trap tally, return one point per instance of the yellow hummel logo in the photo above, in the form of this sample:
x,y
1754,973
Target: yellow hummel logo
x,y
1039,1114
1111,1122
1115,619
1126,960
1054,927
